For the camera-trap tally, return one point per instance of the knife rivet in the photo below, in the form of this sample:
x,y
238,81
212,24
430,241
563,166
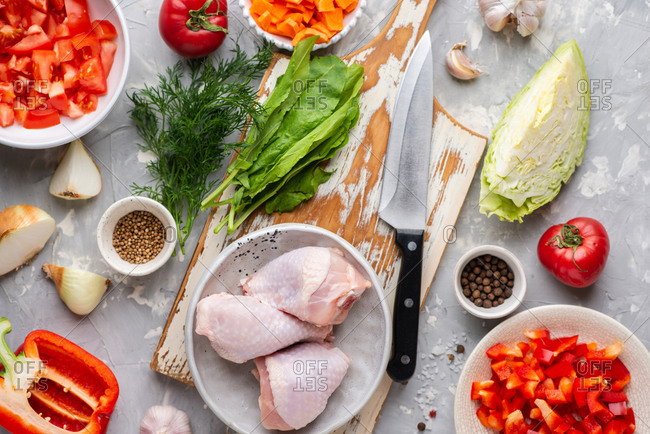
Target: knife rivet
x,y
412,245
405,359
408,302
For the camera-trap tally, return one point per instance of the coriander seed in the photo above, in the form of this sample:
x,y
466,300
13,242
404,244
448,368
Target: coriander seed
x,y
138,237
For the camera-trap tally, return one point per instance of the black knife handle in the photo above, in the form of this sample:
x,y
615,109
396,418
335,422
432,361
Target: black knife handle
x,y
406,311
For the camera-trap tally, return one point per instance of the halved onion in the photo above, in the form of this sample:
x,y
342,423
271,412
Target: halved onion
x,y
77,176
24,230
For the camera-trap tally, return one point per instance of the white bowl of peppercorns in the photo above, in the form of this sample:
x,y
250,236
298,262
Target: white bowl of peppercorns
x,y
489,282
136,236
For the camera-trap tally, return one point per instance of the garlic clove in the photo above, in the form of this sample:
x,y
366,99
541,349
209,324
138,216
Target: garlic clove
x,y
528,15
80,290
496,13
525,14
165,419
77,176
24,230
459,65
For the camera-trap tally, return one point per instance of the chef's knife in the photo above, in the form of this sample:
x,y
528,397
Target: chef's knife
x,y
404,197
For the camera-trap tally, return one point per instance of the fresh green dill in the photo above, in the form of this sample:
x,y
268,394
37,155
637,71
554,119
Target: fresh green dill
x,y
184,121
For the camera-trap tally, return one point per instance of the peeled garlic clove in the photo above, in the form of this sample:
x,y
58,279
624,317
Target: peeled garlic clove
x,y
24,230
459,65
80,290
77,176
165,419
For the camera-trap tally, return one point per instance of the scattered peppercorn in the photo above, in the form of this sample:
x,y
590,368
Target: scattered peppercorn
x,y
487,281
460,349
138,237
451,357
421,426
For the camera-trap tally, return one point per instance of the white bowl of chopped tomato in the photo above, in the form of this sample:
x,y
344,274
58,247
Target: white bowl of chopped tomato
x,y
287,22
561,368
63,65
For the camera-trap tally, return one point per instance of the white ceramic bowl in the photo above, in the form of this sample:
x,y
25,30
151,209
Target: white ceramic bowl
x,y
560,320
518,290
70,129
107,224
284,42
231,391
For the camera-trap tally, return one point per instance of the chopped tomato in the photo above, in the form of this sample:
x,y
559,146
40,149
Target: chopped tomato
x,y
6,115
64,51
13,12
37,119
62,31
32,17
58,4
20,112
87,102
9,35
58,97
107,54
104,29
86,44
40,5
91,76
70,75
7,94
19,64
78,19
43,62
35,39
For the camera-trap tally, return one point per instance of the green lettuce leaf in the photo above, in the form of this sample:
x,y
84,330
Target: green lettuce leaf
x,y
540,139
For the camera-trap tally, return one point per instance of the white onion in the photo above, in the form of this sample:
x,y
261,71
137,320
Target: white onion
x,y
77,176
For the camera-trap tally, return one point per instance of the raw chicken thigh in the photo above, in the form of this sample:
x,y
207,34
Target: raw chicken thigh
x,y
316,284
241,328
296,383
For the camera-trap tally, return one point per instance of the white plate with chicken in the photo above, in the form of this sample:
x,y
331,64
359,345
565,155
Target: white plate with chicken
x,y
288,330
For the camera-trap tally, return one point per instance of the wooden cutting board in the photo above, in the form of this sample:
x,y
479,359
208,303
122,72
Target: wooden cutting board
x,y
347,204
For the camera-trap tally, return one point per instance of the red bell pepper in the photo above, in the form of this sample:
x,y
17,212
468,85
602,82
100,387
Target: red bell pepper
x,y
53,386
500,352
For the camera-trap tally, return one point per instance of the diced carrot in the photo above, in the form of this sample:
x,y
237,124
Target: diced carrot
x,y
307,32
344,4
278,10
260,6
324,30
333,20
307,14
352,6
264,20
294,3
289,27
295,17
325,5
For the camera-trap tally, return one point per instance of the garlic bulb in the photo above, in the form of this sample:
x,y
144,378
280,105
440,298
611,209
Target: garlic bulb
x,y
165,419
77,176
459,65
525,14
24,230
80,290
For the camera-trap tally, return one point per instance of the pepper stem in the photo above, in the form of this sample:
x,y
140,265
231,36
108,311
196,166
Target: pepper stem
x,y
569,237
199,19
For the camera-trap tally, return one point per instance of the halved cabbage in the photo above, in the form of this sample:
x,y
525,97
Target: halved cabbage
x,y
540,139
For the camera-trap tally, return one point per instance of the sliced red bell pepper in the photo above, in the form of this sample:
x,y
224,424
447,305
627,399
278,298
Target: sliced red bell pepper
x,y
544,356
526,372
514,381
478,386
555,397
565,344
609,396
502,370
483,414
551,418
608,353
616,426
597,408
580,350
537,334
590,425
631,419
561,369
617,374
528,389
53,383
566,386
495,420
618,408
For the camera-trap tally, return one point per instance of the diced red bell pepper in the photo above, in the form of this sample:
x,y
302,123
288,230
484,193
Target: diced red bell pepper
x,y
535,414
34,39
561,369
537,334
483,414
555,397
6,115
618,408
502,370
565,344
580,350
547,384
515,423
544,356
591,426
567,357
478,386
609,396
597,408
92,77
490,399
526,372
631,419
618,374
500,352
551,418
514,381
608,353
616,426
566,386
495,420
79,391
528,389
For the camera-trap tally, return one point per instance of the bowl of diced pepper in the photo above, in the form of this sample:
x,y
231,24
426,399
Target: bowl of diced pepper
x,y
287,22
63,65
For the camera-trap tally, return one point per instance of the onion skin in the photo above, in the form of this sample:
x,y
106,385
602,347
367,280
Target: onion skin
x,y
19,217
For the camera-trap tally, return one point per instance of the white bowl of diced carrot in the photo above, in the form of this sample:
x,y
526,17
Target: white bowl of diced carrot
x,y
287,22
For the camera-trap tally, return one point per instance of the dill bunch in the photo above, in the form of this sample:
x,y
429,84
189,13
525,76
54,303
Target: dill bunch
x,y
184,121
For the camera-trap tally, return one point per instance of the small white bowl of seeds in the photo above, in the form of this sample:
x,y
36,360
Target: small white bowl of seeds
x,y
136,236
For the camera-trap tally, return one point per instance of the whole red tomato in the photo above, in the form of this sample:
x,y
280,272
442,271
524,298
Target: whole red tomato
x,y
575,252
193,28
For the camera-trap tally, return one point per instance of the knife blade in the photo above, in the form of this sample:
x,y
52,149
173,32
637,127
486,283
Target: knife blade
x,y
404,196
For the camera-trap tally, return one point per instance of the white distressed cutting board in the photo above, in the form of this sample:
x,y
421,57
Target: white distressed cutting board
x,y
347,203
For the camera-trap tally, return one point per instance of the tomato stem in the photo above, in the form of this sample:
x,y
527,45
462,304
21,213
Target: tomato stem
x,y
200,19
569,236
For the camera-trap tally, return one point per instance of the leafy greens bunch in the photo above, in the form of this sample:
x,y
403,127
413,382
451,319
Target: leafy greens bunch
x,y
307,118
184,121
